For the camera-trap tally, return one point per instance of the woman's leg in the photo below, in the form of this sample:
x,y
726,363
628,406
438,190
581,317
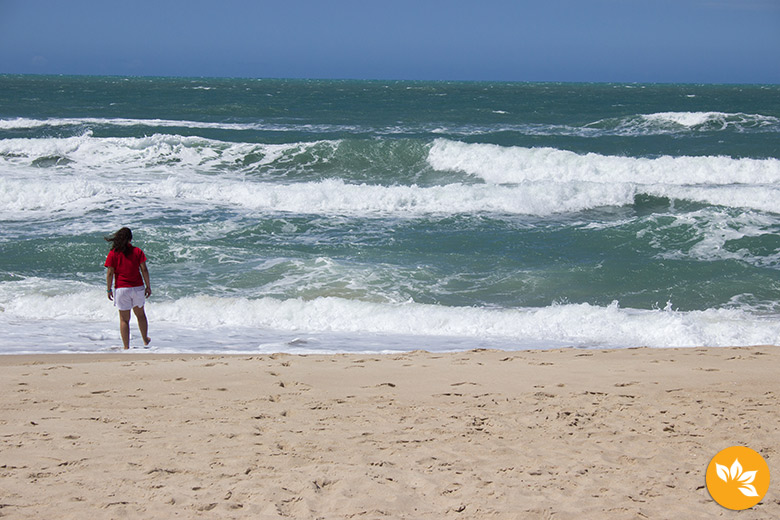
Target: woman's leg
x,y
143,324
124,328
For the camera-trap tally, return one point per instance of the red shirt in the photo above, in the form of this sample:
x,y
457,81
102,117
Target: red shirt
x,y
126,268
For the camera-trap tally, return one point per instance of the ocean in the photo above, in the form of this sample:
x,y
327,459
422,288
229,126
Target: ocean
x,y
382,216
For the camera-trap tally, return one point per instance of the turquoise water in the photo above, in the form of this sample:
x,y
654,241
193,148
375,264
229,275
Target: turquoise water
x,y
329,216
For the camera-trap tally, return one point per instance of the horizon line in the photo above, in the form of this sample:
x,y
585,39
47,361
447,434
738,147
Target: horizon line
x,y
379,80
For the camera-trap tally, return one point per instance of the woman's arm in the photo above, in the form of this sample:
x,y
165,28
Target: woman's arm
x,y
110,282
145,274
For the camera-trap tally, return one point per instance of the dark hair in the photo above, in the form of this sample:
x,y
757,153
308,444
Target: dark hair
x,y
121,241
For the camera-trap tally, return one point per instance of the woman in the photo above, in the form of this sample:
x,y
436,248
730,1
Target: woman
x,y
128,273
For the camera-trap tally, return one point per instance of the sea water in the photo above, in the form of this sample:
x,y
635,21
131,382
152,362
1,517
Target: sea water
x,y
378,216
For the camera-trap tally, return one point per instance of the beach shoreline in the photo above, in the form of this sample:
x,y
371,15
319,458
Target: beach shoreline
x,y
568,433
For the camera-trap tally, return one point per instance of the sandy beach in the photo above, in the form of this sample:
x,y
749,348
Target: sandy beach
x,y
570,433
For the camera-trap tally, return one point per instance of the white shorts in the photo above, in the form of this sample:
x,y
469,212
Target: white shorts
x,y
125,298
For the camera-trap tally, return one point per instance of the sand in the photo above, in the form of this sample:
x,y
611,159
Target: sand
x,y
570,433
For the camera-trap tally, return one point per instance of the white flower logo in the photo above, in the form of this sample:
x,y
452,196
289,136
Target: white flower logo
x,y
743,479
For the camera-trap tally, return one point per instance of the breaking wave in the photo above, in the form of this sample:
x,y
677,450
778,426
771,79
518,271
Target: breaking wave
x,y
406,177
504,165
581,325
682,122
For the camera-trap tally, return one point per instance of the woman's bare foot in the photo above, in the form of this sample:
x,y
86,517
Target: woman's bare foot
x,y
147,340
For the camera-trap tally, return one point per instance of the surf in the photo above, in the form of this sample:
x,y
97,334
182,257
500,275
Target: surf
x,y
502,165
573,325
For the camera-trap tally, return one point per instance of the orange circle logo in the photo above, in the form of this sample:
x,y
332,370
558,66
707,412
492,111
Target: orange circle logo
x,y
737,478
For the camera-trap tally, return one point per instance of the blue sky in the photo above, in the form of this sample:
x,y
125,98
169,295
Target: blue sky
x,y
700,41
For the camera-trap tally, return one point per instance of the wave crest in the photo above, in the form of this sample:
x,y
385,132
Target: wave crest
x,y
505,165
682,122
159,151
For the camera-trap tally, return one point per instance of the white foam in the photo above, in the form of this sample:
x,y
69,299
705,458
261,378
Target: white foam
x,y
713,120
579,325
501,165
29,124
761,198
166,172
714,229
158,152
335,196
687,119
661,123
23,199
669,123
631,125
50,195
